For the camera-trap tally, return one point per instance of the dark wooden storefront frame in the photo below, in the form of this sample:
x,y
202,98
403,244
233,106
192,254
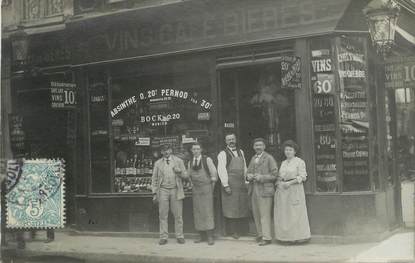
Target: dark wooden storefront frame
x,y
317,201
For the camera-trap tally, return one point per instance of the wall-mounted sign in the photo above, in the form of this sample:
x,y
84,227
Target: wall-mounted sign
x,y
291,72
203,116
143,141
400,73
229,125
186,140
63,95
201,25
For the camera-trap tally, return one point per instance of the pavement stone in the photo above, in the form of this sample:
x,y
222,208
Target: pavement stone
x,y
70,248
127,249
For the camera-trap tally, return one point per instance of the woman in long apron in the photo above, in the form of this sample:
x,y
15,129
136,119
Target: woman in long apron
x,y
290,211
203,175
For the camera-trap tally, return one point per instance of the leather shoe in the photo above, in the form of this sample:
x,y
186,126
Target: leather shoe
x,y
162,242
180,240
235,235
264,242
210,239
201,238
49,240
258,239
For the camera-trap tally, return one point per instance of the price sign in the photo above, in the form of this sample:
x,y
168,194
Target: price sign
x,y
323,83
63,95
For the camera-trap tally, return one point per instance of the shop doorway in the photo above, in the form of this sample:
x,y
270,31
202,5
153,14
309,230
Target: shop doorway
x,y
253,104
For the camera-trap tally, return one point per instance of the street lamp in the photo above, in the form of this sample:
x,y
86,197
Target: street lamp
x,y
382,17
20,48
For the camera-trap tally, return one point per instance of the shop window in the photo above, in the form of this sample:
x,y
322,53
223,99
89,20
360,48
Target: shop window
x,y
152,109
255,105
99,133
324,101
354,115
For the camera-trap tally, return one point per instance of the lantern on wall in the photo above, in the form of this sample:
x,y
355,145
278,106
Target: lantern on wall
x,y
382,17
20,47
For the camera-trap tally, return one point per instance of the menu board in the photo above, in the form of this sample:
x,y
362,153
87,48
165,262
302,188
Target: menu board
x,y
324,115
354,120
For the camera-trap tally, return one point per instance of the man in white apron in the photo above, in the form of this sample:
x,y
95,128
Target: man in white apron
x,y
231,171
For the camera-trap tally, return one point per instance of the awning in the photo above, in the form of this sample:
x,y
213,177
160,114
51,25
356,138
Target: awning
x,y
405,28
198,25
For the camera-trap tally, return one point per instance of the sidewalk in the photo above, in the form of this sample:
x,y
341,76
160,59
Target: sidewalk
x,y
123,249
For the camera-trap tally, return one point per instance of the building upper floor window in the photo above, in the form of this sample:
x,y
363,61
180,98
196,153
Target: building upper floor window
x,y
38,9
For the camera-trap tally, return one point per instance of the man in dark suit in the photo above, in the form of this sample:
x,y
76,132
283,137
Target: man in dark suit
x,y
262,173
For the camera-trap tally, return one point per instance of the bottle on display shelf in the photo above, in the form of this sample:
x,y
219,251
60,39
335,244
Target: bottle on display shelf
x,y
138,166
150,166
148,183
128,167
145,167
134,166
132,169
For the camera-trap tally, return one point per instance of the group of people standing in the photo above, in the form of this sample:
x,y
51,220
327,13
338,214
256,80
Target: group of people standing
x,y
271,194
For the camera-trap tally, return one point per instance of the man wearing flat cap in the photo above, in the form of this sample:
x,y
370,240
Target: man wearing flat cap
x,y
167,187
262,174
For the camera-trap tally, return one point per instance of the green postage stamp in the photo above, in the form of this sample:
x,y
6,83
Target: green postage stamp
x,y
35,193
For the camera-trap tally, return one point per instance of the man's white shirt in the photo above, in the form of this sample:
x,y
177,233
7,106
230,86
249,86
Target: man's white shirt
x,y
222,171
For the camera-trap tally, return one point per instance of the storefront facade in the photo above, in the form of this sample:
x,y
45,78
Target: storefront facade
x,y
273,69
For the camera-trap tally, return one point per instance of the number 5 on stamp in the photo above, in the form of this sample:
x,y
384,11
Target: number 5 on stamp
x,y
36,199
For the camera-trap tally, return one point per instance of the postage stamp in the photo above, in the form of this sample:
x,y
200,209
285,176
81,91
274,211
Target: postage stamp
x,y
35,193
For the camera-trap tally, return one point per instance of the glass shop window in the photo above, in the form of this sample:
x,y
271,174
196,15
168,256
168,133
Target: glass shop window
x,y
354,112
324,101
99,133
152,109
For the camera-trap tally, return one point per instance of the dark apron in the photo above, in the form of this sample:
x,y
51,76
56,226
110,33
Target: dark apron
x,y
202,200
236,204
